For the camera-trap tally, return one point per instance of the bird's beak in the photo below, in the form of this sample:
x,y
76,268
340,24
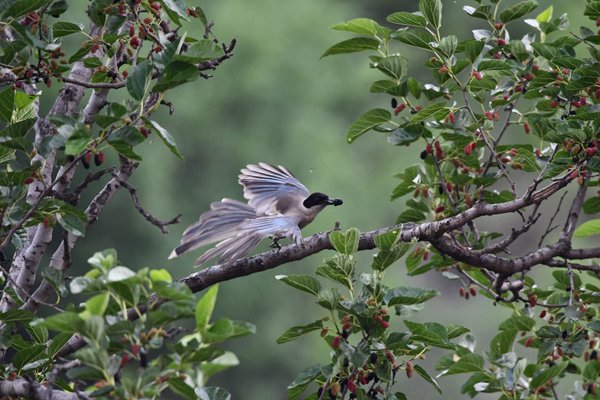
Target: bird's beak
x,y
335,202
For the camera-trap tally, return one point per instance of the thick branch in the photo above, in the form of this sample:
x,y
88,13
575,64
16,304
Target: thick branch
x,y
35,391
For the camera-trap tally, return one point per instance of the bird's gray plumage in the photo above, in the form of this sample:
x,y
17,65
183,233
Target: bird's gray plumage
x,y
278,207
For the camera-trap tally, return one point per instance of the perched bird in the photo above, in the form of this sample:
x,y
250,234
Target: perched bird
x,y
278,207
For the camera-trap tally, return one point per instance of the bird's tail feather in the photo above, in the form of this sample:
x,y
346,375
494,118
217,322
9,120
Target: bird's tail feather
x,y
231,249
218,224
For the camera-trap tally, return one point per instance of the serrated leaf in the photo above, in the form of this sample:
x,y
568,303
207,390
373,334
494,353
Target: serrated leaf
x,y
353,45
167,139
62,28
416,38
345,243
591,205
393,66
428,112
588,228
406,295
468,363
518,10
547,375
7,101
297,331
428,378
386,258
432,11
138,80
405,18
304,283
366,122
362,26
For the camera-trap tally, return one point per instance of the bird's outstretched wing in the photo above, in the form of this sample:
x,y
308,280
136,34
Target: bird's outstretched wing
x,y
271,189
248,235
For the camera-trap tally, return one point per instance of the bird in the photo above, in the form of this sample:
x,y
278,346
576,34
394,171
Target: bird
x,y
278,207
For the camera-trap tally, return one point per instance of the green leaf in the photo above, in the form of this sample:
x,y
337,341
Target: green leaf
x,y
591,205
455,330
124,149
502,342
386,258
297,331
448,45
587,229
428,378
547,375
97,304
7,101
404,295
56,278
385,241
304,283
353,45
212,393
393,66
363,26
366,122
345,243
382,86
82,52
202,50
428,112
127,134
71,224
205,307
66,28
302,381
416,38
329,298
167,139
405,18
58,342
139,79
492,65
175,74
182,389
545,16
468,363
518,10
28,355
432,11
23,7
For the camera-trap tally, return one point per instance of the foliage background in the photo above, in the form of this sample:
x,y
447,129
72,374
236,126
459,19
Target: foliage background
x,y
274,101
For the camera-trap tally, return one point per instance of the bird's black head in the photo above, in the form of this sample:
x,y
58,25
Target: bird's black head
x,y
321,199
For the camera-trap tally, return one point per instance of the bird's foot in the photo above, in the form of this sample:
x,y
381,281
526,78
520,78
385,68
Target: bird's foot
x,y
275,245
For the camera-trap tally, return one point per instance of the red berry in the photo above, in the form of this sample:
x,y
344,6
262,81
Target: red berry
x,y
598,22
351,386
473,291
528,341
489,115
576,104
12,376
124,360
46,222
428,148
597,95
384,324
505,97
501,42
28,181
535,68
399,109
565,71
529,76
144,132
439,209
135,349
452,118
496,56
347,326
519,89
48,82
425,193
533,301
155,6
468,149
583,101
125,74
131,31
461,292
499,25
555,103
527,128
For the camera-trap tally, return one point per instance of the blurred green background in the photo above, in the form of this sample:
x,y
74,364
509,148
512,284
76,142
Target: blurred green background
x,y
276,102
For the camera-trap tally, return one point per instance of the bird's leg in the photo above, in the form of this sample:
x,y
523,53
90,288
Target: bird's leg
x,y
275,245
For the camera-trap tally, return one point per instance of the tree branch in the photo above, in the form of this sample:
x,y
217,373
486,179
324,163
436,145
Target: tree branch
x,y
35,391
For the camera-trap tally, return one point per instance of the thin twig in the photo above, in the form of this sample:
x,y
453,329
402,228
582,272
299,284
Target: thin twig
x,y
549,229
154,221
